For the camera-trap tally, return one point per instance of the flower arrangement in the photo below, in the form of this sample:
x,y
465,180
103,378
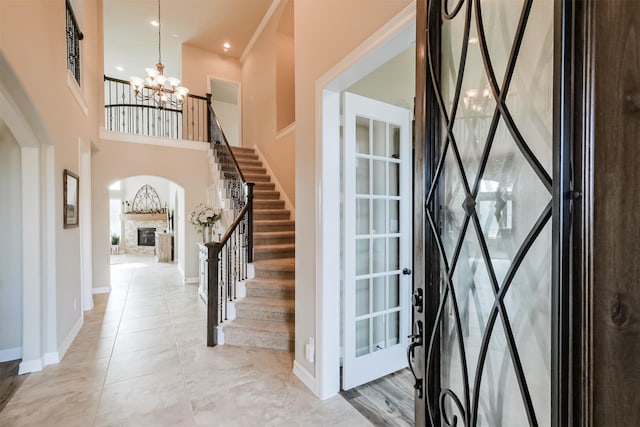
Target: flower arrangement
x,y
204,216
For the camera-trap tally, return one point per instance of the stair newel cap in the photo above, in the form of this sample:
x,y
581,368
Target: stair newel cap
x,y
249,190
213,249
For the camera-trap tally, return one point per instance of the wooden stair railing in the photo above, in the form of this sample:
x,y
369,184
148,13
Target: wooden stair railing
x,y
228,258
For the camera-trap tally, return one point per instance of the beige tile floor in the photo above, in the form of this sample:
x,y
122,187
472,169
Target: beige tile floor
x,y
141,360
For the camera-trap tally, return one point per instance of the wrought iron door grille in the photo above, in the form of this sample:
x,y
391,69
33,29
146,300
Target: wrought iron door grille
x,y
451,408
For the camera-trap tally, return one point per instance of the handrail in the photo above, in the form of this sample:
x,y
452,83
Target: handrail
x,y
125,112
117,80
228,258
214,119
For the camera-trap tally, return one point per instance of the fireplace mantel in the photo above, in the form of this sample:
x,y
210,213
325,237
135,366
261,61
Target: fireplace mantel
x,y
144,217
133,222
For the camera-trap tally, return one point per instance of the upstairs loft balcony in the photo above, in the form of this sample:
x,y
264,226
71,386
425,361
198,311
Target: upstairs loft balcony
x,y
127,112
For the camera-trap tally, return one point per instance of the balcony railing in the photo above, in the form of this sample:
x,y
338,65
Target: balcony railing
x,y
126,113
74,35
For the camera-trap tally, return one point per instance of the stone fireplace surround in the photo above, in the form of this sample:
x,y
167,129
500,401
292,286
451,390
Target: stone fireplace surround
x,y
134,221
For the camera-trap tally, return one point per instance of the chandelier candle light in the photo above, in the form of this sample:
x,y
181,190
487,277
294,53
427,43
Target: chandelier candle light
x,y
165,90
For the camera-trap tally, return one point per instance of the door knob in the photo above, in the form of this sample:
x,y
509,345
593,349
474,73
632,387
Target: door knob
x,y
406,271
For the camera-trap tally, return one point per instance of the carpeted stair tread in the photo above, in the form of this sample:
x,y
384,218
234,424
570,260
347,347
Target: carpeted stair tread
x,y
270,186
260,226
288,285
273,237
260,333
252,177
237,149
286,305
268,204
263,252
280,264
266,195
260,325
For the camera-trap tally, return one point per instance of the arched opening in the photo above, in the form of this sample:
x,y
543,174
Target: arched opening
x,y
26,141
11,249
145,219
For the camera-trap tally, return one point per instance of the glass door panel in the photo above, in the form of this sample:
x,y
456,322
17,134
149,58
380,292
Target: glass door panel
x,y
490,214
378,233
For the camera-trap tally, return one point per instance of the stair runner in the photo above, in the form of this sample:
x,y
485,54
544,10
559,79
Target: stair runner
x,y
265,317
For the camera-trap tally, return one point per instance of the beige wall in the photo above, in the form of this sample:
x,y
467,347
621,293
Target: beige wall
x,y
393,83
199,64
259,85
325,32
114,161
32,38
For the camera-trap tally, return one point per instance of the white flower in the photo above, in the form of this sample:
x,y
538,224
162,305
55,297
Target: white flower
x,y
203,215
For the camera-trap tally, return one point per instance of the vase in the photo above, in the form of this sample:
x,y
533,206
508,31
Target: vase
x,y
208,233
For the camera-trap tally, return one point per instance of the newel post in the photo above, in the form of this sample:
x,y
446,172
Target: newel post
x,y
209,119
213,319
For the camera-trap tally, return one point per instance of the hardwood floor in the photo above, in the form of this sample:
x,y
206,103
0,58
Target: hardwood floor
x,y
387,401
10,381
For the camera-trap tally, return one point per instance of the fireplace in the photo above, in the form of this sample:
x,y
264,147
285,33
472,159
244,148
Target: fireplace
x,y
146,236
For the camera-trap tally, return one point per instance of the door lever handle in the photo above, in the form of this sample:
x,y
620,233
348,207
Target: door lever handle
x,y
406,271
416,342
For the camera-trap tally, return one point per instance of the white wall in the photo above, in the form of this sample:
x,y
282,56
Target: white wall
x,y
229,117
393,82
130,186
185,164
11,247
317,51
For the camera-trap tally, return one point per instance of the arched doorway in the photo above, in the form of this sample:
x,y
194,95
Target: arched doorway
x,y
24,131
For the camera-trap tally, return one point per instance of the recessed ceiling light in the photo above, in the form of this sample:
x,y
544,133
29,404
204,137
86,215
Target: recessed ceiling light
x,y
119,68
226,46
155,23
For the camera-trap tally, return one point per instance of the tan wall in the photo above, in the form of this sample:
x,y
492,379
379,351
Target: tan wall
x,y
285,70
32,38
116,160
325,32
199,64
259,106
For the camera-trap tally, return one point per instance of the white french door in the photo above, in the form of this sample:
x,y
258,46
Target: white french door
x,y
377,239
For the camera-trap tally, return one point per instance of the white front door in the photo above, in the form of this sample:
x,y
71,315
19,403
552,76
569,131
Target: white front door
x,y
377,233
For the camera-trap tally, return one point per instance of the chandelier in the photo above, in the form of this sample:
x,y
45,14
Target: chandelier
x,y
164,91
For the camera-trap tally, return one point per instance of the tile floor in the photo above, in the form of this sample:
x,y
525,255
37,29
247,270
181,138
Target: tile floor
x,y
141,360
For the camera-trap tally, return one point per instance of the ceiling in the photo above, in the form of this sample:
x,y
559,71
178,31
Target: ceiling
x,y
131,42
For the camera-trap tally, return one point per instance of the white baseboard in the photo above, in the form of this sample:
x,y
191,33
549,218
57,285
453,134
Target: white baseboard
x,y
28,366
191,280
304,376
241,289
251,271
220,335
102,290
9,354
62,349
51,358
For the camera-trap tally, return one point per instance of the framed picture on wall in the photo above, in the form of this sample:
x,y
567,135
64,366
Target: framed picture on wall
x,y
70,203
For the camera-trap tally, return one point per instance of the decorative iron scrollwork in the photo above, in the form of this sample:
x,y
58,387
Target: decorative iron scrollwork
x,y
147,201
449,408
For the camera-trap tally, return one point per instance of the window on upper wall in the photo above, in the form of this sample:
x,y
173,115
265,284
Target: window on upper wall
x,y
74,35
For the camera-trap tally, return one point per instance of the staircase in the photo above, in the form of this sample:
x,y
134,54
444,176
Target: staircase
x,y
265,317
